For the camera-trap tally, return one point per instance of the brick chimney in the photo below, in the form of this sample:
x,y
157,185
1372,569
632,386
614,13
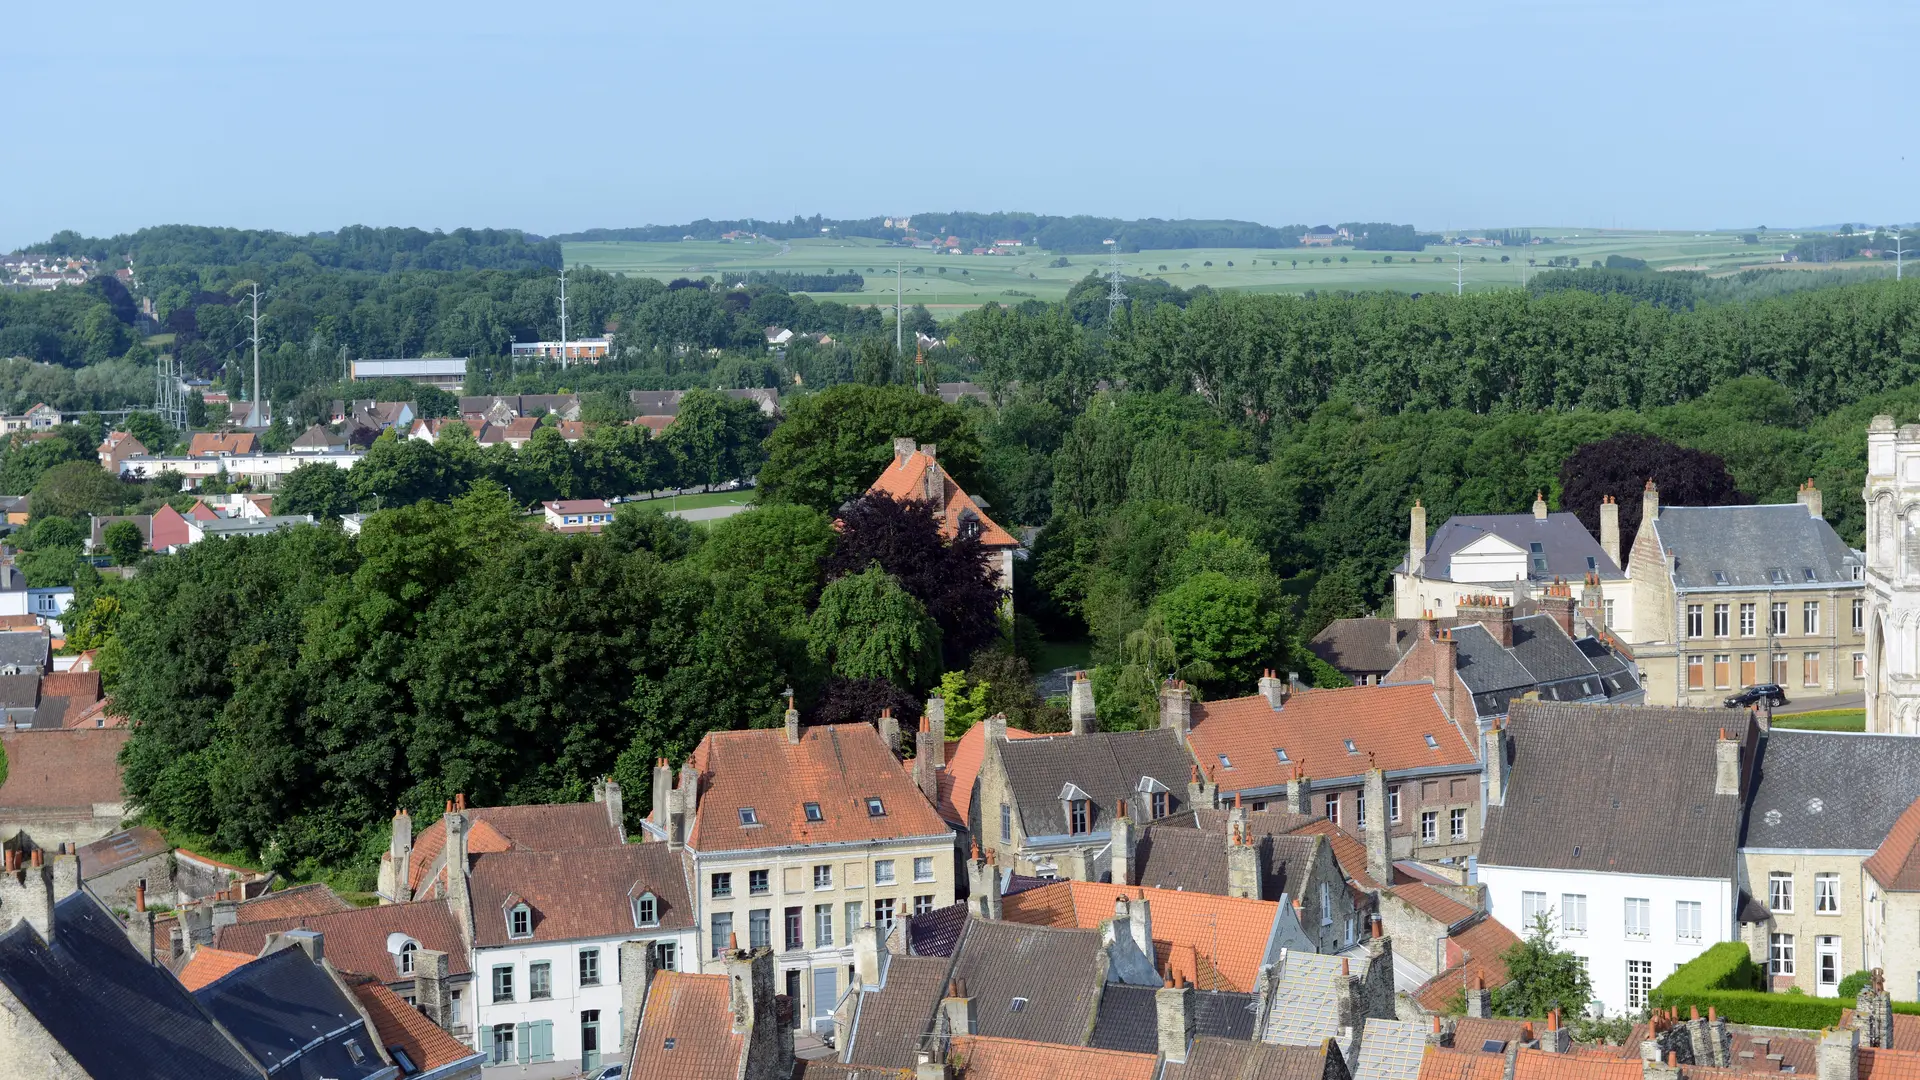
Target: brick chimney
x,y
662,794
902,450
933,487
983,885
929,755
1837,1055
1593,601
1121,855
1176,707
889,727
1492,612
1379,859
1610,528
958,1009
1649,504
1202,794
1539,506
793,723
936,711
1726,765
1447,684
1174,1006
400,857
1299,787
1416,537
1479,998
458,897
1494,757
1080,705
1243,864
1556,1039
608,791
1274,688
1809,497
1558,604
26,892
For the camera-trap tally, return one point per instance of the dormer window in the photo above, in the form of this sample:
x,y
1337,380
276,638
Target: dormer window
x,y
406,957
1808,570
813,812
520,921
646,910
1432,743
876,808
1079,818
1719,577
1593,563
1778,576
748,817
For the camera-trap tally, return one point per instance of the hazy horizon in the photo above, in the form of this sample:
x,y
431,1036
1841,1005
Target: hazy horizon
x,y
1629,115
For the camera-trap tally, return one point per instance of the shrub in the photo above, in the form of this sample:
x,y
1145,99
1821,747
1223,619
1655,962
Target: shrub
x,y
1726,979
1852,984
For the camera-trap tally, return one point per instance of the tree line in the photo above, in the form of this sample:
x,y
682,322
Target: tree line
x,y
354,247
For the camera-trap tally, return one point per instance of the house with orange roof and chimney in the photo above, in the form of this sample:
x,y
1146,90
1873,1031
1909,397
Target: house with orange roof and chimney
x,y
116,447
729,1025
915,473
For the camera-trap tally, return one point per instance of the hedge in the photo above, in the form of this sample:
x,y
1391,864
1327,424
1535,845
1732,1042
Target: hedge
x,y
1726,979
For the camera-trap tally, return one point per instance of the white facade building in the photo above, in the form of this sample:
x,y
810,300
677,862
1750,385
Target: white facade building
x,y
1893,577
265,470
1518,556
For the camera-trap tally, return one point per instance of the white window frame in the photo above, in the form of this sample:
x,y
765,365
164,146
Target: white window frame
x,y
1639,984
1532,906
1573,914
1780,954
1637,918
1826,894
883,872
1780,892
1686,920
1429,826
1810,617
923,863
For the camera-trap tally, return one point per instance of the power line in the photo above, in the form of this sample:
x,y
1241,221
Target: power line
x,y
1116,297
563,316
1460,274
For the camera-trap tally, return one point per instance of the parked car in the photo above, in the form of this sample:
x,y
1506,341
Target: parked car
x,y
606,1072
1771,693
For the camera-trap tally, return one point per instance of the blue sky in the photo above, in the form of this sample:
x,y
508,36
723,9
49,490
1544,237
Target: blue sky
x,y
562,116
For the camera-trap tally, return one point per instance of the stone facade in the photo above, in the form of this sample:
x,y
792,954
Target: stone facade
x,y
1827,945
1892,641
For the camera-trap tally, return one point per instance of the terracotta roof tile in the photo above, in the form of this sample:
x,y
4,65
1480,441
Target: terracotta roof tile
x,y
1218,941
1388,726
120,849
357,938
1018,1059
1896,864
1878,1064
208,964
1906,1031
1215,1058
1430,902
585,893
1479,948
1351,854
687,1030
1442,1063
402,1026
542,827
964,759
905,478
59,768
1471,1033
1578,1065
314,899
838,766
80,688
210,443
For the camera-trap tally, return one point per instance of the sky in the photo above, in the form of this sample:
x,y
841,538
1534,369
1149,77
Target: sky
x,y
555,117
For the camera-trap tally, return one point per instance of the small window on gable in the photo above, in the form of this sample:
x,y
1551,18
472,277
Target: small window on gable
x,y
520,921
1224,763
748,817
876,808
813,812
646,910
1349,745
1432,743
1281,753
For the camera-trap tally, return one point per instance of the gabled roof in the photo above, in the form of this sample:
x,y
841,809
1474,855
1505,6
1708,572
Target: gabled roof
x,y
358,938
1748,544
891,1021
62,768
25,647
1435,905
1617,789
114,1012
301,900
213,443
1303,1004
1388,725
405,1029
1368,644
209,965
1543,659
1223,1059
1217,941
1896,863
1579,1064
1129,1016
1906,1032
838,766
1172,856
121,849
1481,948
905,478
584,893
687,1030
541,827
1566,543
284,1008
1391,1049
1057,972
1018,1059
1351,854
1830,789
938,932
962,769
1445,1063
1107,765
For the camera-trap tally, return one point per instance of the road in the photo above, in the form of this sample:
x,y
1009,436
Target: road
x,y
707,513
1822,704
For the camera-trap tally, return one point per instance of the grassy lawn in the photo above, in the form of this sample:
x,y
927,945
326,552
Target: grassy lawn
x,y
1825,720
742,497
1059,654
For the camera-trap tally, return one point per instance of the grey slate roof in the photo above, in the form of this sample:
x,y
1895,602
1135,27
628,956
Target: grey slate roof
x,y
117,1014
892,1020
656,402
1221,1059
1107,765
1748,543
1832,790
1303,1007
20,691
293,1018
1368,646
1563,540
1058,972
1390,1049
1171,855
1544,659
936,933
1128,1018
25,649
1616,789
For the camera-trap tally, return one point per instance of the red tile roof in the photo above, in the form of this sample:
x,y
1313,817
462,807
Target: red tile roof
x,y
100,714
1578,1065
545,827
357,938
693,1012
1430,902
1896,865
1443,1063
1471,1033
585,893
905,478
1388,726
1351,854
838,766
301,900
1479,949
1218,941
1018,1059
208,964
401,1025
964,759
211,443
1906,1029
1878,1064
62,769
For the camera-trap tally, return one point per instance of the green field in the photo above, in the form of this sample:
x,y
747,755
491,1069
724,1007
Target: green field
x,y
1825,720
971,280
742,497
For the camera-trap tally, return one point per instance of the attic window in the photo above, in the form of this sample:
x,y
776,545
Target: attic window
x,y
1539,556
669,1044
1018,1004
1432,743
1719,577
1593,563
407,1067
1349,744
748,817
1224,763
646,910
1808,570
1281,753
520,921
353,1051
876,808
1778,575
406,957
813,812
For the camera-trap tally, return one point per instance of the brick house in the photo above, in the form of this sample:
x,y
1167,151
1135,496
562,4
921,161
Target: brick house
x,y
916,473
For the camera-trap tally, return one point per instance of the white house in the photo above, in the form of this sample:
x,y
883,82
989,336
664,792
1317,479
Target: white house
x,y
1621,827
578,515
265,470
1514,555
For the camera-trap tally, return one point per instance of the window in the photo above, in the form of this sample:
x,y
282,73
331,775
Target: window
x,y
1686,920
539,980
1006,824
1746,620
1432,743
406,957
1077,816
923,868
759,928
1749,669
1539,557
1457,823
1606,612
1639,984
1780,953
520,921
1429,826
1810,668
1778,575
823,876
1810,617
822,925
853,918
1777,618
1694,620
1859,616
646,910
1826,894
1393,804
503,1044
722,886
722,931
757,884
1351,749
883,916
876,808
923,904
503,983
1859,665
354,1052
813,812
793,932
1826,952
748,817
1360,808
1224,763
1333,809
1639,917
883,872
1696,672
1780,668
1780,892
1573,914
1533,905
1722,670
1281,753
1159,805
1719,620
589,967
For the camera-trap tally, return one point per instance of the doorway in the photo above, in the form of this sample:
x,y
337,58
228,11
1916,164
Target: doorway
x,y
1826,951
826,994
589,1040
793,997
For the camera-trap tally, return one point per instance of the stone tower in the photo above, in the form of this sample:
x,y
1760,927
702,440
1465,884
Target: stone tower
x,y
1893,577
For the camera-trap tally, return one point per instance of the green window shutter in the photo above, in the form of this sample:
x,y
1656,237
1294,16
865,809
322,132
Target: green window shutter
x,y
522,1043
619,1028
543,1040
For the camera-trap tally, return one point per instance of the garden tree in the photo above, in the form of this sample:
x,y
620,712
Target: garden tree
x,y
1620,466
778,552
646,527
1129,691
278,437
76,489
953,579
1018,441
325,491
1338,594
714,438
1544,978
1045,353
1010,689
966,701
869,627
154,433
859,701
399,472
23,461
833,444
123,541
1234,625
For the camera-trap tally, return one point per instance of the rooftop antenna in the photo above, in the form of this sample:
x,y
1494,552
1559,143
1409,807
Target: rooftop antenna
x,y
1115,297
563,316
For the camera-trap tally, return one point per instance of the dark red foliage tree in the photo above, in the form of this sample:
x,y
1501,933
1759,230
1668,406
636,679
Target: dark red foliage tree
x,y
953,578
1622,465
859,701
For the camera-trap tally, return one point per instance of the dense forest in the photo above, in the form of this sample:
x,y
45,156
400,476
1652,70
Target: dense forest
x,y
355,247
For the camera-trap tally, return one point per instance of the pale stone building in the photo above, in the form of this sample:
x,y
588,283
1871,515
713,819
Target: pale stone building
x,y
1892,593
1515,555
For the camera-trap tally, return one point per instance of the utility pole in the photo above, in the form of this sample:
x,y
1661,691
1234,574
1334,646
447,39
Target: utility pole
x,y
256,418
1460,274
1115,297
563,316
899,341
1899,252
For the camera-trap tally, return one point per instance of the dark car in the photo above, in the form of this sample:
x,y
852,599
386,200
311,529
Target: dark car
x,y
1771,693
